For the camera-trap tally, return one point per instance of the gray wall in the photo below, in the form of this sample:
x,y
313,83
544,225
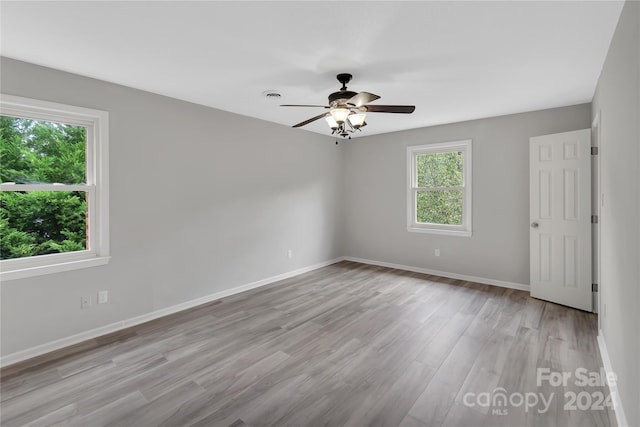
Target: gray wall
x,y
617,99
201,200
375,195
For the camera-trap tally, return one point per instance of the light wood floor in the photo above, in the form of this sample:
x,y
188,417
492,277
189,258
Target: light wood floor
x,y
349,344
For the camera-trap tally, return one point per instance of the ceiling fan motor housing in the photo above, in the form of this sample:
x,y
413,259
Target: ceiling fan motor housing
x,y
341,97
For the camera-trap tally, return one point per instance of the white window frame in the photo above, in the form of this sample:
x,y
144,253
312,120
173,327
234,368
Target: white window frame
x,y
97,187
463,230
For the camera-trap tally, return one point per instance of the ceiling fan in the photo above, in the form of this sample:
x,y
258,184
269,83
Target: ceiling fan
x,y
347,109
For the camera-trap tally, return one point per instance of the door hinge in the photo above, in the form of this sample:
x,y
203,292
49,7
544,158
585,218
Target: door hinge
x,y
594,287
594,151
594,219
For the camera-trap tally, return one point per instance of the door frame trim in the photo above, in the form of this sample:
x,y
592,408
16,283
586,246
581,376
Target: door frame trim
x,y
596,244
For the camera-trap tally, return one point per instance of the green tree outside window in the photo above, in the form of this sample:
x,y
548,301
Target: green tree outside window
x,y
42,222
437,173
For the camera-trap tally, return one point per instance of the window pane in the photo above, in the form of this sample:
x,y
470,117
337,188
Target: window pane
x,y
440,169
38,151
42,222
440,207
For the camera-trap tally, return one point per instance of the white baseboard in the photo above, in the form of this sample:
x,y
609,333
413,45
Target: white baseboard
x,y
621,419
41,349
483,280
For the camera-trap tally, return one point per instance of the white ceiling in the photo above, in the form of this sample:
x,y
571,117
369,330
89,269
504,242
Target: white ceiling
x,y
454,60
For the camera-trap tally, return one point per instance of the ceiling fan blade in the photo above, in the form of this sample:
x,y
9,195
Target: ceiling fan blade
x,y
405,109
297,105
312,119
362,98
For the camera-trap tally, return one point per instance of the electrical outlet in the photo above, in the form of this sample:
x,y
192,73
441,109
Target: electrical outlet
x,y
103,297
437,252
290,253
85,302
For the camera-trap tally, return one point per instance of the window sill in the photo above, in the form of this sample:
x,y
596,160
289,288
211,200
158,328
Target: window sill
x,y
26,271
424,230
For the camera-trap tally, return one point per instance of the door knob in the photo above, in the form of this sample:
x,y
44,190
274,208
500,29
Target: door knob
x,y
534,225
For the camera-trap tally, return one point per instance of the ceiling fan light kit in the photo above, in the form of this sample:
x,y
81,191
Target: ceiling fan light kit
x,y
340,114
332,122
347,109
356,120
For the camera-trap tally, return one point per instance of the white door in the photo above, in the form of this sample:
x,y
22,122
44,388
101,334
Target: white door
x,y
560,218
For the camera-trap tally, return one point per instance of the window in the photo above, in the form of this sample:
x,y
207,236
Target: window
x,y
439,189
53,187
